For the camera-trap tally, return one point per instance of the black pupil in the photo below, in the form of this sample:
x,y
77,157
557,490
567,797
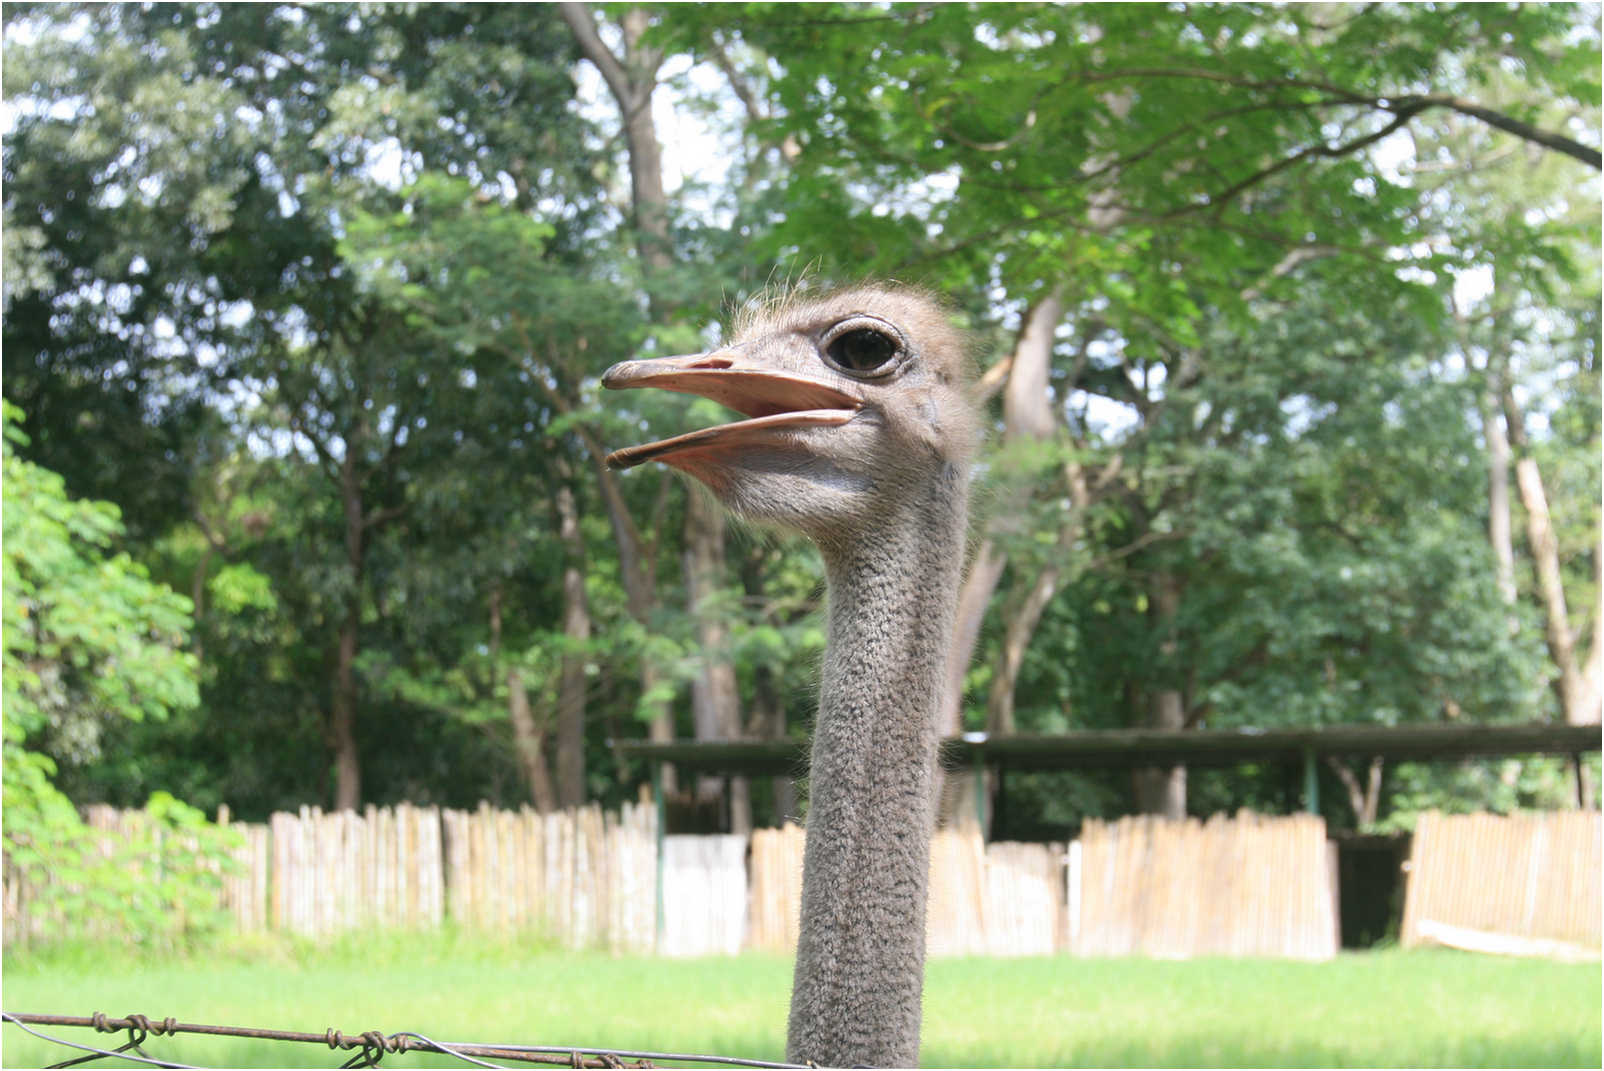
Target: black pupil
x,y
862,350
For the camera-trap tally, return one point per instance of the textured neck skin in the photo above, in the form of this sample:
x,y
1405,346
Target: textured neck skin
x,y
860,959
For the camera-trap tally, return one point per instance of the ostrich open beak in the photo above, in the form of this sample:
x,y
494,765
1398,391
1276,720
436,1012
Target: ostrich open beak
x,y
770,400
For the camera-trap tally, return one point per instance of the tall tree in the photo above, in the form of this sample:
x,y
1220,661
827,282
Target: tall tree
x,y
631,77
1202,199
271,309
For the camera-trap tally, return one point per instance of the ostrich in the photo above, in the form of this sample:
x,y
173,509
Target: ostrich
x,y
858,434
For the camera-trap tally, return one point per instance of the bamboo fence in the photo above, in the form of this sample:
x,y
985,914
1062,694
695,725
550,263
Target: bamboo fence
x,y
1522,884
583,876
985,900
1243,886
775,890
955,919
341,870
247,892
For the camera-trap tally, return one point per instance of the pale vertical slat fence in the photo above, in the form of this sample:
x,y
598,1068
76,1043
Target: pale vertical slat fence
x,y
1001,899
955,919
582,876
1243,886
985,900
326,873
246,887
704,895
1522,884
775,888
1025,903
631,924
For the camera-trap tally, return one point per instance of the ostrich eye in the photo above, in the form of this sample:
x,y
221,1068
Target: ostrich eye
x,y
862,349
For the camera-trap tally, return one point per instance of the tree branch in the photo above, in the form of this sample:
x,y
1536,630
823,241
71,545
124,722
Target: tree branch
x,y
583,24
788,147
1286,265
380,518
1548,139
326,462
987,386
1224,197
1141,542
720,56
1406,106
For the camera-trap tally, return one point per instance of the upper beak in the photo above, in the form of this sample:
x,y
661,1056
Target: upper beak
x,y
769,399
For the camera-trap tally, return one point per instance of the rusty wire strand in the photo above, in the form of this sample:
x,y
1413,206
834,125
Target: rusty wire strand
x,y
95,1053
642,1054
372,1045
450,1049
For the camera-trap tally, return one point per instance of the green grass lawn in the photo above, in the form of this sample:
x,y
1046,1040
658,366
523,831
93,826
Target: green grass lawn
x,y
1387,1008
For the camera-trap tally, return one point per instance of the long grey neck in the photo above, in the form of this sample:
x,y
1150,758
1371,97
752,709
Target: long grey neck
x,y
856,996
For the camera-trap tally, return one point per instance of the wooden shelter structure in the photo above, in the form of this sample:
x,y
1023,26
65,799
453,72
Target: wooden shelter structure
x,y
1102,749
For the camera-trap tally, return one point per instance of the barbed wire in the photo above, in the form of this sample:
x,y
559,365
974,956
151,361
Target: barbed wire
x,y
369,1047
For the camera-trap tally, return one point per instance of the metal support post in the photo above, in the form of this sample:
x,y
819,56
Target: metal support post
x,y
1311,782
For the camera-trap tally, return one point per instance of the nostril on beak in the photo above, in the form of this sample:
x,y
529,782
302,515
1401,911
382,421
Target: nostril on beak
x,y
712,363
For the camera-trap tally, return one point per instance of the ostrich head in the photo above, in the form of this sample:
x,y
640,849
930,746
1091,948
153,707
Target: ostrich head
x,y
858,433
854,400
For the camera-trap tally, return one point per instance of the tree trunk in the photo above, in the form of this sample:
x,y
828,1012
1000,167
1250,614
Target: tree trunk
x,y
571,675
342,716
765,713
1577,685
649,201
638,573
1163,791
1027,414
197,598
768,723
1498,527
1021,627
1593,676
973,598
1364,799
631,79
1572,685
1160,790
528,741
343,707
715,699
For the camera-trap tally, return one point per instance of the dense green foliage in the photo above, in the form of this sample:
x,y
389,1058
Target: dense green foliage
x,y
1417,1009
90,642
317,296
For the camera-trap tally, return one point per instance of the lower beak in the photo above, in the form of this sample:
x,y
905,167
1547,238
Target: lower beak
x,y
771,400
